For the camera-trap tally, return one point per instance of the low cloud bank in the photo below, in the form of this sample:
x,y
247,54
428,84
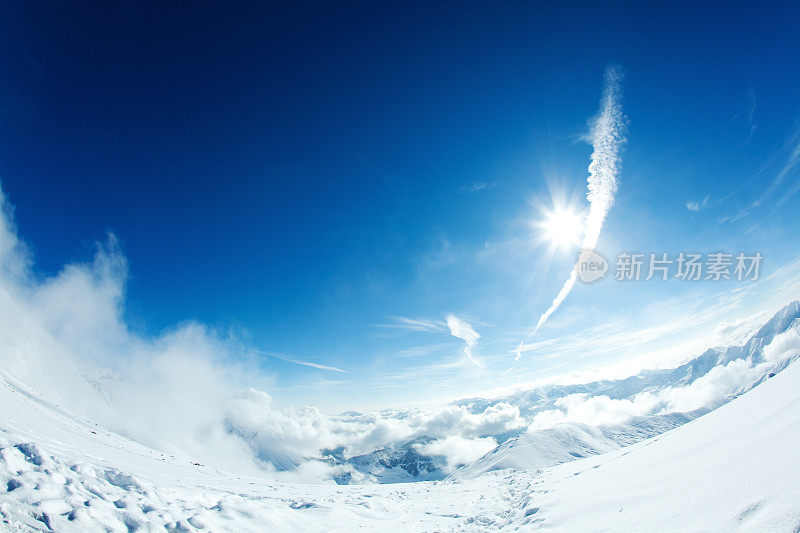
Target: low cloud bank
x,y
457,450
719,385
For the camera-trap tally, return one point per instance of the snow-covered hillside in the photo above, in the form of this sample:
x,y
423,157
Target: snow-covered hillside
x,y
736,467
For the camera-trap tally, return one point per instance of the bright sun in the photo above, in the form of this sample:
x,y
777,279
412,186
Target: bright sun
x,y
563,227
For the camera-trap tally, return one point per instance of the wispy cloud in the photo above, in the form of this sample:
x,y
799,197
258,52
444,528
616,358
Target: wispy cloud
x,y
747,117
788,168
475,186
298,361
751,115
697,206
413,324
423,350
317,365
785,172
463,330
607,140
518,351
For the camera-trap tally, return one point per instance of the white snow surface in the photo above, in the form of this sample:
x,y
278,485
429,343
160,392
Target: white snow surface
x,y
736,468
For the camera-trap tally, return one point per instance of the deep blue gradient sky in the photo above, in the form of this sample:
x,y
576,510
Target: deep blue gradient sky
x,y
303,173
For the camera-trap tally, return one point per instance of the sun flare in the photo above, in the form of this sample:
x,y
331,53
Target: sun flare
x,y
563,227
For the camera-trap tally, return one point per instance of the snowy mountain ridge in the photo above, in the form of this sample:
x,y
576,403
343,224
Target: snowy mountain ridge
x,y
538,447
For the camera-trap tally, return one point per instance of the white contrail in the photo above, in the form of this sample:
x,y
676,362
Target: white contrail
x,y
607,140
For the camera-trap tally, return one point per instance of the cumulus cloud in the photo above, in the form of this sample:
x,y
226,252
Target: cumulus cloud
x,y
783,347
457,419
282,438
287,438
706,392
720,383
14,255
165,392
458,451
737,331
594,410
66,335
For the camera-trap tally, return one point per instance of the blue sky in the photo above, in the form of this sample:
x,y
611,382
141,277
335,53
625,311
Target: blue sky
x,y
327,185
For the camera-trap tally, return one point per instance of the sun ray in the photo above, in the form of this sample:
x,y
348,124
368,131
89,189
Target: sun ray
x,y
562,227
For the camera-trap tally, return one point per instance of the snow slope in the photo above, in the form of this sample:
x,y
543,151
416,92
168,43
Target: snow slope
x,y
737,467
